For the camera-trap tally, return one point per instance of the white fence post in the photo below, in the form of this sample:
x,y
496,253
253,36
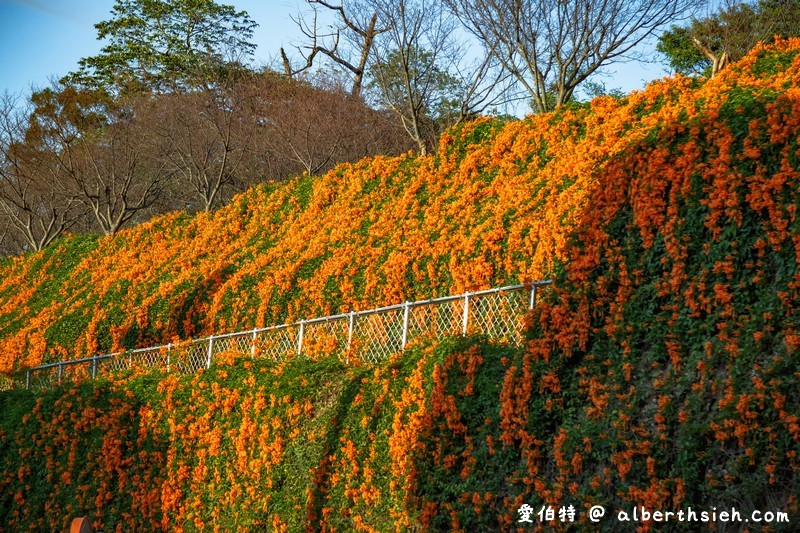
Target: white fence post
x,y
405,325
300,338
210,348
94,366
533,295
349,336
169,353
253,348
466,313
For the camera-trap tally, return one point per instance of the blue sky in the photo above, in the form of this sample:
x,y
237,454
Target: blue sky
x,y
40,39
44,38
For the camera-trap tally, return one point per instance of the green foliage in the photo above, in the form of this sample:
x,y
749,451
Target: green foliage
x,y
420,91
732,31
51,268
466,137
681,53
593,89
431,86
769,64
158,45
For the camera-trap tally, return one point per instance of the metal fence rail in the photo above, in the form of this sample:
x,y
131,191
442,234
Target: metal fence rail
x,y
370,336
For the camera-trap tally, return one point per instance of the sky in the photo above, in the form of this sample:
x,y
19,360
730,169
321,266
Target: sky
x,y
40,39
44,39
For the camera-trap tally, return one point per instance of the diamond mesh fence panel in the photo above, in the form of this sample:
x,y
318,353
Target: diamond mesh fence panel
x,y
44,378
7,383
229,346
376,336
195,357
187,357
436,320
238,344
277,343
325,338
149,358
76,372
114,363
14,382
498,315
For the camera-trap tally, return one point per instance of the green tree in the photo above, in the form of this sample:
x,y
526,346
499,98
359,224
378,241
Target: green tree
x,y
409,71
423,95
707,45
166,45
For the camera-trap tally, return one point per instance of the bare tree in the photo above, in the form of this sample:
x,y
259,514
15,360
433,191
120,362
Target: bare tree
x,y
305,127
34,211
485,86
405,57
11,240
296,131
117,175
411,70
107,160
552,46
348,43
6,247
206,136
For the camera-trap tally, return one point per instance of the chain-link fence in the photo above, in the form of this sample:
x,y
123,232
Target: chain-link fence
x,y
370,336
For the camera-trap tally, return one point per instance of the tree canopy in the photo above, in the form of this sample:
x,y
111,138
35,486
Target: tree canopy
x,y
160,45
707,44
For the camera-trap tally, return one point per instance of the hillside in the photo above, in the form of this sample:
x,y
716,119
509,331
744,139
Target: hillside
x,y
661,370
493,207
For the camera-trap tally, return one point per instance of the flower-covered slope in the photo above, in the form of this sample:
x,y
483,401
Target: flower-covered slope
x,y
664,371
493,207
